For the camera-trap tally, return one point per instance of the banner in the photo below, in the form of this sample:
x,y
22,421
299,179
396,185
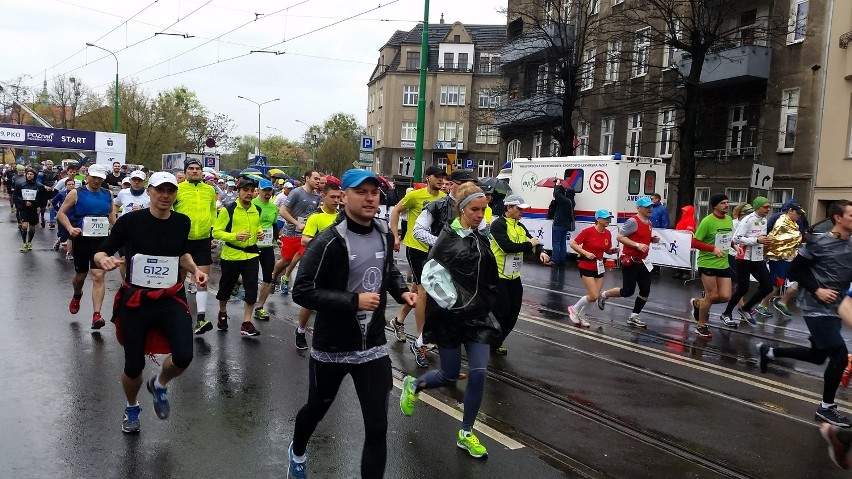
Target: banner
x,y
173,160
36,137
673,250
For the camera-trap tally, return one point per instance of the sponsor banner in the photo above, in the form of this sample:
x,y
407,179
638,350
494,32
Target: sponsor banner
x,y
110,142
108,158
37,137
673,250
12,135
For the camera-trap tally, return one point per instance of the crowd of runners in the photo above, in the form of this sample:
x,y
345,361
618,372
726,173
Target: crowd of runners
x,y
337,259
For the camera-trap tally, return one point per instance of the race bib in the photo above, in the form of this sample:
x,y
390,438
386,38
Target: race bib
x,y
512,264
95,226
267,240
723,241
301,219
648,264
78,183
600,265
154,271
29,195
364,318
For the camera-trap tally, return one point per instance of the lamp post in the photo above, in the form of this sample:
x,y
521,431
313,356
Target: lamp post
x,y
313,143
115,104
276,129
257,153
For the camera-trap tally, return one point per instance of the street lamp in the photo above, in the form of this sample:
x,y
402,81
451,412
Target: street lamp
x,y
115,104
257,153
276,129
313,143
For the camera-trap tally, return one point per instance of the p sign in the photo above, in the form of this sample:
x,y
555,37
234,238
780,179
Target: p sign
x,y
598,181
366,143
468,163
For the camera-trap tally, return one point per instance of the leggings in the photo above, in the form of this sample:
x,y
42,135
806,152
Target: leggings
x,y
764,284
166,314
477,357
373,382
837,359
508,306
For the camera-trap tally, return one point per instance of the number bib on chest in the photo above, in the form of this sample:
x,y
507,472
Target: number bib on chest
x,y
364,318
512,264
154,271
723,241
267,240
95,226
29,195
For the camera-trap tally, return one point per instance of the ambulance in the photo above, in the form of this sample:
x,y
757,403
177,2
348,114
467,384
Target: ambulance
x,y
612,182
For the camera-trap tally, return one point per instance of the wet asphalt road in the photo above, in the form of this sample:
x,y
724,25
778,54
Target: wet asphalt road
x,y
610,401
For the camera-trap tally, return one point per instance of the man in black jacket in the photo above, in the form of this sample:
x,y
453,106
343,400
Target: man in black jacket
x,y
345,272
563,222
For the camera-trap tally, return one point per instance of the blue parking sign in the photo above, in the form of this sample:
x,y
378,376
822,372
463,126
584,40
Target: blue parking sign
x,y
366,143
468,163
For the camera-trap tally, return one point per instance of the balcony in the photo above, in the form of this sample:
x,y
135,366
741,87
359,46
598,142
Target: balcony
x,y
554,37
455,67
535,109
732,66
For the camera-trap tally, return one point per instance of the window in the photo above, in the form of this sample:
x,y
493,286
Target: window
x,y
617,2
607,131
587,71
489,63
670,53
541,79
634,182
555,149
402,161
702,202
748,22
737,128
489,98
485,168
736,196
536,151
665,132
371,102
410,95
451,131
798,21
381,97
650,182
789,115
634,134
453,94
613,60
409,131
574,178
449,59
486,134
642,49
583,128
513,150
456,38
412,61
594,7
462,61
442,163
780,196
379,132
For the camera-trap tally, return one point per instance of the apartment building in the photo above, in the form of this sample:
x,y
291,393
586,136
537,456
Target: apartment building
x,y
760,92
461,97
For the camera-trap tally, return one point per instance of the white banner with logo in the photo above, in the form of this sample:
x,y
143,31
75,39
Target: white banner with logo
x,y
673,250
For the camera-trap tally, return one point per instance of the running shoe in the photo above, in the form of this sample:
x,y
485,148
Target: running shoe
x,y
747,315
261,314
634,320
301,341
837,450
236,290
781,307
56,245
161,399
762,358
419,355
501,350
694,303
222,322
601,301
752,316
43,224
573,315
285,286
831,416
703,331
23,247
728,320
471,443
69,257
202,326
51,225
130,423
29,246
762,310
98,321
248,329
398,330
408,396
297,470
583,322
191,288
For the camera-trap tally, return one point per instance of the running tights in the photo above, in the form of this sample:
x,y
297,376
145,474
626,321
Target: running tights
x,y
27,235
508,305
837,359
764,284
633,275
477,357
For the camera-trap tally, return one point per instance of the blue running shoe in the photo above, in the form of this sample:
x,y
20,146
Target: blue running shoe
x,y
297,470
161,399
130,424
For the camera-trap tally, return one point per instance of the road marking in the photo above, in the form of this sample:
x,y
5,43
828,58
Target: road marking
x,y
456,414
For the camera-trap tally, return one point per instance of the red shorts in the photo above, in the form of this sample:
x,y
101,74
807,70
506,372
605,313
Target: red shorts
x,y
290,247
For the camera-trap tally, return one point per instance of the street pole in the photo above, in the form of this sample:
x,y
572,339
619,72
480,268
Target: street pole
x,y
421,101
257,152
115,101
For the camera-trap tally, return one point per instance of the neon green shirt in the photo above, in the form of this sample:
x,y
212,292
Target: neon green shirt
x,y
318,222
714,231
414,202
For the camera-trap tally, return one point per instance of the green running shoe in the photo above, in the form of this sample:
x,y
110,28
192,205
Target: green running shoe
x,y
471,444
408,396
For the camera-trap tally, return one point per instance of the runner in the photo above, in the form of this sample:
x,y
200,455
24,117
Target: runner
x,y
87,214
591,245
197,200
48,177
286,188
510,239
300,203
787,238
461,257
157,235
132,198
713,240
266,246
416,251
62,235
839,440
636,236
823,269
317,222
346,272
30,196
238,226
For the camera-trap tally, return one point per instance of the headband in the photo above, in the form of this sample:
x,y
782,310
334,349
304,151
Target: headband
x,y
470,198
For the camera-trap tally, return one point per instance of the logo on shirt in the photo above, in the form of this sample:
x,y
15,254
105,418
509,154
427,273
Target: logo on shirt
x,y
372,279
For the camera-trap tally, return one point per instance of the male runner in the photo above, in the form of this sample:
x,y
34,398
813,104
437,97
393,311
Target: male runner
x,y
300,203
713,240
30,197
266,246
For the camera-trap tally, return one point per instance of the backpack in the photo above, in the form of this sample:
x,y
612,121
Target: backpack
x,y
230,209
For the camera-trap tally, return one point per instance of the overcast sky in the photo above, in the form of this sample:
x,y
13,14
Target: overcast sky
x,y
328,60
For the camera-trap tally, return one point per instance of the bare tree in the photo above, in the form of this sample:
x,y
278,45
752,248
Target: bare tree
x,y
65,98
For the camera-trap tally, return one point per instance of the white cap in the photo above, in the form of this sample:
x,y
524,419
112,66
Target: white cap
x,y
162,177
515,200
97,171
288,185
126,180
138,174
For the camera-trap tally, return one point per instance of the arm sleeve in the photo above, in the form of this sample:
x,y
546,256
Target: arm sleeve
x,y
500,233
219,227
701,246
422,228
310,226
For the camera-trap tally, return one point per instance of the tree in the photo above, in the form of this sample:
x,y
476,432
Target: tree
x,y
67,93
337,153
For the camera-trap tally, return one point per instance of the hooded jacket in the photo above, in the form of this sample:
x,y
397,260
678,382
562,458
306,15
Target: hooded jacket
x,y
40,199
564,214
687,219
659,216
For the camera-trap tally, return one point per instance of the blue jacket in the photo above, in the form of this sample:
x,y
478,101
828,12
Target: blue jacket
x,y
660,217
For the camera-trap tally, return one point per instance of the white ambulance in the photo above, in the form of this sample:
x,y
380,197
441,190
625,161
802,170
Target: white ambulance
x,y
612,182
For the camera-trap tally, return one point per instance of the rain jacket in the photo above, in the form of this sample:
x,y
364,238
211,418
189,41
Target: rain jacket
x,y
687,219
232,221
40,199
659,216
563,216
510,236
198,201
747,232
467,256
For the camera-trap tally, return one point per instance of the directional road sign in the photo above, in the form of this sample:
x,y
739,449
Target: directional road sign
x,y
761,177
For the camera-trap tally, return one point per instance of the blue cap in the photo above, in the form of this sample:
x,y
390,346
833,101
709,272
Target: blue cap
x,y
265,185
354,177
603,214
644,202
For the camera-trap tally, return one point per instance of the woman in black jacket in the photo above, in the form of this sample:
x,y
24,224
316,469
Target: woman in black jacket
x,y
463,252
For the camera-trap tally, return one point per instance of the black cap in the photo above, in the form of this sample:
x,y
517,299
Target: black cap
x,y
246,182
434,171
190,161
462,175
717,198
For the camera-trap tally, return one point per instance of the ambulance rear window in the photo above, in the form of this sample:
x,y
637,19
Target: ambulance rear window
x,y
634,182
650,182
574,178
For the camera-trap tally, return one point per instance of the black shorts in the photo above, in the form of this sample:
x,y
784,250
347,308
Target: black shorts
x,y
231,272
590,274
200,251
173,320
84,250
719,273
416,260
267,263
28,215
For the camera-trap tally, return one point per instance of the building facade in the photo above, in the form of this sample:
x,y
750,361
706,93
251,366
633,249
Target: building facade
x,y
461,97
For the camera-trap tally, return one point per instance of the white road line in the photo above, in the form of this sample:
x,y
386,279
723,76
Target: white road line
x,y
456,414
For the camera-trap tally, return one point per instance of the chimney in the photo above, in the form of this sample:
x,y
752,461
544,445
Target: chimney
x,y
442,19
